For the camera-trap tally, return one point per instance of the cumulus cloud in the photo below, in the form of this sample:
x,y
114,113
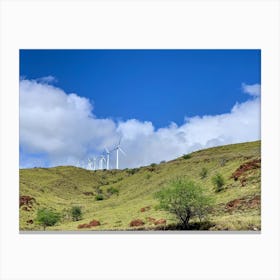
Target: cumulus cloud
x,y
58,128
60,125
253,90
47,80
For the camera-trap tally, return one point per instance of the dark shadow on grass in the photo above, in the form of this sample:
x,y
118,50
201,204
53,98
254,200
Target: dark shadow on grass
x,y
206,225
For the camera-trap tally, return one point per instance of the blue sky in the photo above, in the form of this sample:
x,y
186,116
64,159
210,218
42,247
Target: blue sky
x,y
150,85
136,94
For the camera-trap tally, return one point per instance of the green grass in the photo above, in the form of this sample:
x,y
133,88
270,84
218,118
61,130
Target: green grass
x,y
63,187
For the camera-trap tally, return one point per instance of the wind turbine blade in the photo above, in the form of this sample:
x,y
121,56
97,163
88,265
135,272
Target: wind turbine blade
x,y
122,151
107,151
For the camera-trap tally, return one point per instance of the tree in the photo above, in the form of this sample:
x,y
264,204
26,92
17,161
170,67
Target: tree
x,y
186,200
76,213
218,181
47,217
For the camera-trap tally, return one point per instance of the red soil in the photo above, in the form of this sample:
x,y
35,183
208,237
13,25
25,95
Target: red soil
x,y
160,222
254,164
146,208
93,223
26,200
241,203
136,223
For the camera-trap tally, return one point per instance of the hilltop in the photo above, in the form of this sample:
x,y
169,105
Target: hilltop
x,y
114,198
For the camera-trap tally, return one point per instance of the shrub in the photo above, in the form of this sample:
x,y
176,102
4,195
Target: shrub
x,y
112,191
185,199
76,213
153,165
132,171
163,161
203,173
47,217
218,181
99,197
188,156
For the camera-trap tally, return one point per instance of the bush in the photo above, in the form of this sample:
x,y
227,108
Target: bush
x,y
203,173
218,181
188,156
76,213
153,165
112,191
132,171
47,217
186,200
99,197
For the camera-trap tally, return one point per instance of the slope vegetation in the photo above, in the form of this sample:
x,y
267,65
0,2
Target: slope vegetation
x,y
124,199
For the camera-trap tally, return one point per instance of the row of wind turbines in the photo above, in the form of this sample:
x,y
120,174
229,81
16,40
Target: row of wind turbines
x,y
97,162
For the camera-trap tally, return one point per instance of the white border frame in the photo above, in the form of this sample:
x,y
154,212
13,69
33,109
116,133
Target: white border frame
x,y
139,24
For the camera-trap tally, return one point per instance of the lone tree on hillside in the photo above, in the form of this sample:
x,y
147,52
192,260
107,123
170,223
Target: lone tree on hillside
x,y
47,217
186,200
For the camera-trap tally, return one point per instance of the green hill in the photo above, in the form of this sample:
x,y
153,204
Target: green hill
x,y
116,197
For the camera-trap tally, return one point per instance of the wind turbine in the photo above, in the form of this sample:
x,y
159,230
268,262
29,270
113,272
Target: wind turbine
x,y
102,158
89,165
118,147
108,158
94,163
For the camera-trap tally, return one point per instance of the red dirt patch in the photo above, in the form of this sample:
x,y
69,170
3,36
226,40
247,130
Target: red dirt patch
x,y
136,223
26,200
160,222
254,164
254,202
242,203
240,172
93,223
146,208
84,226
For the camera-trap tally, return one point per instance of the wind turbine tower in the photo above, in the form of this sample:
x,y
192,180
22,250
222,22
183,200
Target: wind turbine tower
x,y
89,165
102,158
108,158
118,147
94,163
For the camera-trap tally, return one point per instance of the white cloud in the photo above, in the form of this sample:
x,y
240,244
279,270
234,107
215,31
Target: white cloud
x,y
47,80
62,127
253,90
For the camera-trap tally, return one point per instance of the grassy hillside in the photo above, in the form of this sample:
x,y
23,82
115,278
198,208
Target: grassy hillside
x,y
129,194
